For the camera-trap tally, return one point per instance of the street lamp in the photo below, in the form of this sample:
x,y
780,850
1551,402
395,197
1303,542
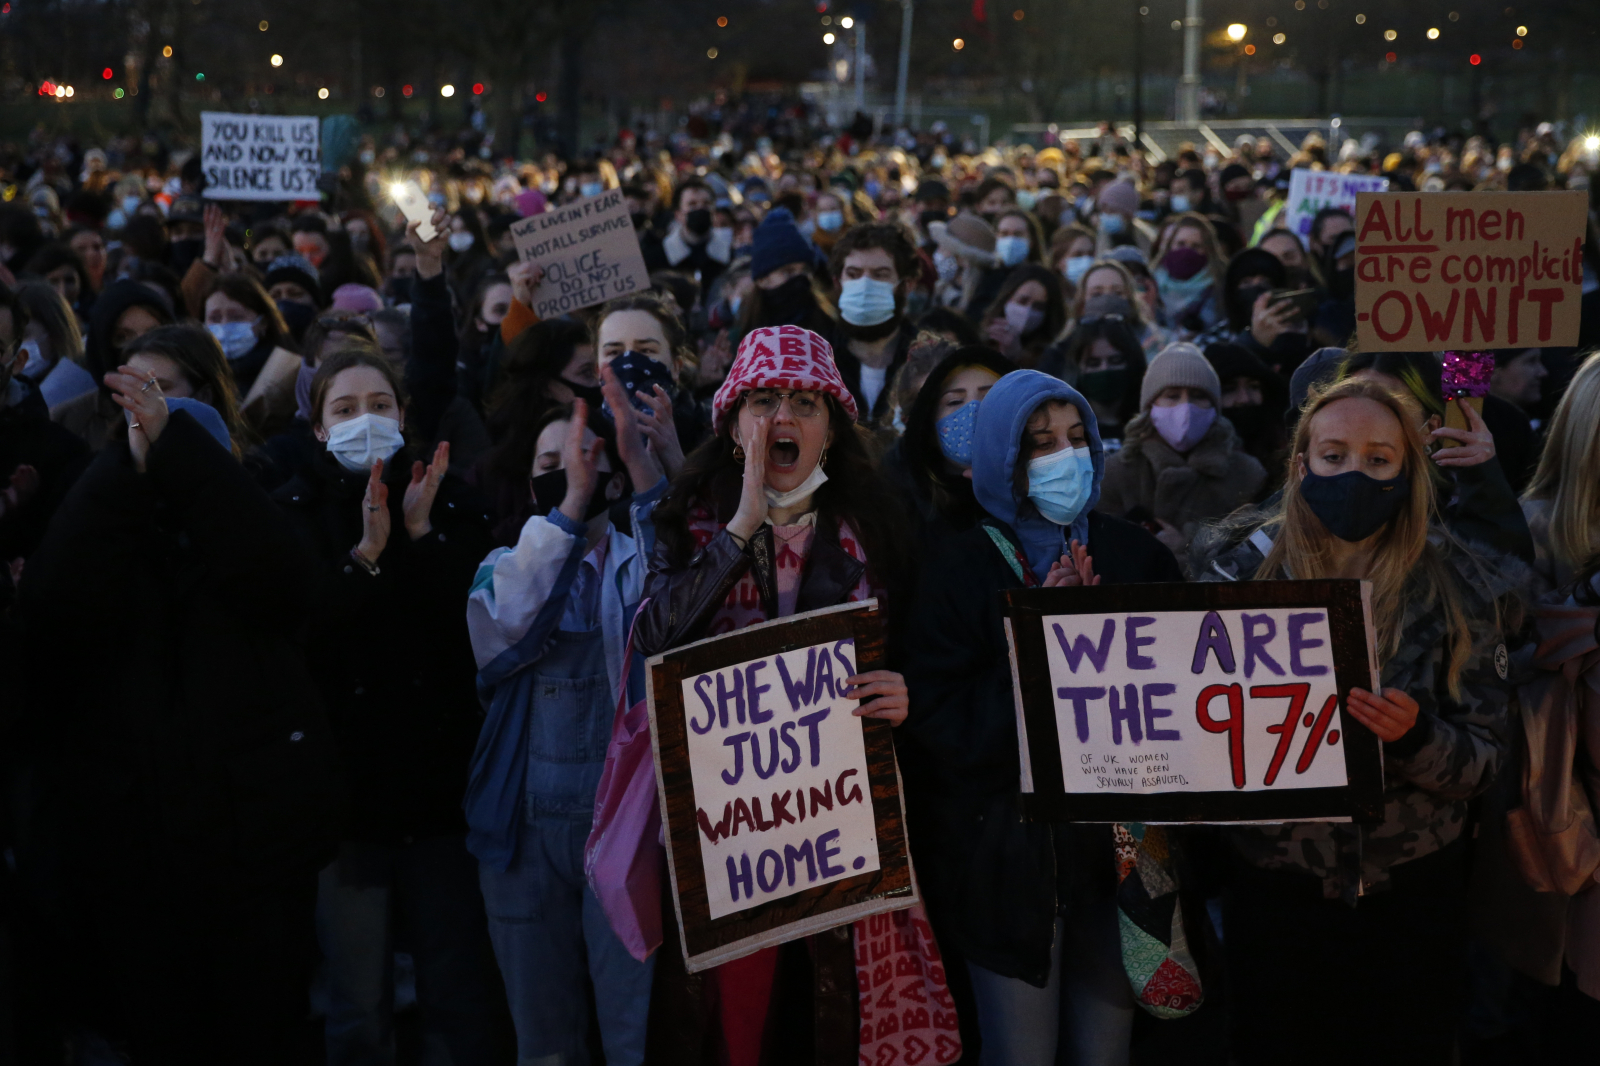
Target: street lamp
x,y
1237,31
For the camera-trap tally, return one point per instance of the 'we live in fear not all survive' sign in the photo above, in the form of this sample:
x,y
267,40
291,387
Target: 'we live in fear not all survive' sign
x,y
589,252
1194,703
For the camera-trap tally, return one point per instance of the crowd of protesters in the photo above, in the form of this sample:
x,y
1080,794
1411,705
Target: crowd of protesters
x,y
329,566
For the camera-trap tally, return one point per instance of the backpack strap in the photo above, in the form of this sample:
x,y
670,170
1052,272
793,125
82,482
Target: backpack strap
x,y
1008,551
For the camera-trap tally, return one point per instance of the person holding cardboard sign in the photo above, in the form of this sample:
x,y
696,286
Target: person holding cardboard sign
x,y
1368,921
780,512
1031,907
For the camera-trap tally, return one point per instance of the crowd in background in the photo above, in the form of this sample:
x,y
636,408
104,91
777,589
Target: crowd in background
x,y
326,556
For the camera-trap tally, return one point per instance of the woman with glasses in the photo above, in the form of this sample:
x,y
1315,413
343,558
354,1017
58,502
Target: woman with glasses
x,y
780,512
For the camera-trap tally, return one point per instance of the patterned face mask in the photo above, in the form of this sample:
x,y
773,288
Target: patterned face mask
x,y
955,433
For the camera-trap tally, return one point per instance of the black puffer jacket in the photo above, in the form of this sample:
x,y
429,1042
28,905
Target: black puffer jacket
x,y
390,653
171,717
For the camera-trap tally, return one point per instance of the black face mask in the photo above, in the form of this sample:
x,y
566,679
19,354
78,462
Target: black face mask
x,y
1353,505
698,221
183,253
550,491
399,289
589,394
1251,420
640,221
788,303
297,316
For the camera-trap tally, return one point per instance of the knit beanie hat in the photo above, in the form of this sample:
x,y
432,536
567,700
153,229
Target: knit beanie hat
x,y
353,296
1320,368
781,357
777,244
1179,364
296,269
1120,198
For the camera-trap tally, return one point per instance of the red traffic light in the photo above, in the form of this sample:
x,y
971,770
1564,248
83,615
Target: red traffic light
x,y
106,74
477,88
1475,59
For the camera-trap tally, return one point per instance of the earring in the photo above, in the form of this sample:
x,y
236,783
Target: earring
x,y
738,453
822,460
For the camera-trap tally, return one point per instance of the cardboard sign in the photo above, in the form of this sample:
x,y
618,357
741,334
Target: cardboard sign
x,y
1195,703
589,251
1442,271
783,809
260,157
1312,190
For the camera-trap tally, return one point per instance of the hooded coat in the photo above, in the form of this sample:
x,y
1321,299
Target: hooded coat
x,y
996,881
93,416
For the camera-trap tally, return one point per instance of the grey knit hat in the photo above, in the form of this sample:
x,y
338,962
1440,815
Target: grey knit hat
x,y
1179,364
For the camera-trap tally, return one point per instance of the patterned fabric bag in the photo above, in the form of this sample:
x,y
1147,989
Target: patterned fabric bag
x,y
907,1014
1155,949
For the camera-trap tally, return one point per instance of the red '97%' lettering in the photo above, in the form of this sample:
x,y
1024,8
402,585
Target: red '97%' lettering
x,y
1233,725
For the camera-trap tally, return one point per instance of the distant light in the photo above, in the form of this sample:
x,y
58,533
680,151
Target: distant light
x,y
1279,38
1389,57
1237,31
262,25
1017,14
447,91
1516,42
1177,24
958,44
1433,33
1455,16
847,22
322,93
1475,59
106,74
827,20
827,38
199,77
116,94
541,97
377,90
1390,35
405,90
722,21
277,60
61,90
1361,20
70,90
1522,31
711,53
477,88
1249,49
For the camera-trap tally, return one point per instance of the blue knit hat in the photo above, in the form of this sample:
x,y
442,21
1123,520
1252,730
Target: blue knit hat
x,y
206,415
778,243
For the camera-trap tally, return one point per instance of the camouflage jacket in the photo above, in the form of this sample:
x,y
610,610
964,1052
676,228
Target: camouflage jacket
x,y
1448,757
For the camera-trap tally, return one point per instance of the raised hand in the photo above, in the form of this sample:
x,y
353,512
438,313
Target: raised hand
x,y
581,463
525,278
374,515
418,503
1073,569
661,431
216,254
430,254
753,499
1466,447
643,468
141,398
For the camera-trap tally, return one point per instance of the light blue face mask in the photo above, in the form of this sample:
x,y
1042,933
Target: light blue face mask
x,y
590,188
955,433
866,301
830,221
1179,203
1111,224
1011,250
1075,267
237,338
1059,484
1026,199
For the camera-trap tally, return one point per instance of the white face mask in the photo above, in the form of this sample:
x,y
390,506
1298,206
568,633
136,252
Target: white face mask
x,y
363,440
37,362
800,493
460,242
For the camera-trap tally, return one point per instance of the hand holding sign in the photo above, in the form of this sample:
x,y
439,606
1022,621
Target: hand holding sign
x,y
1471,447
588,251
1390,715
525,278
892,700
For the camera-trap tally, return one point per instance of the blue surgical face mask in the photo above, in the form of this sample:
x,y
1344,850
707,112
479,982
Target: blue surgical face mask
x,y
237,338
1075,267
1011,250
591,188
830,221
1026,199
955,433
1111,224
1179,203
866,301
130,204
1059,484
36,364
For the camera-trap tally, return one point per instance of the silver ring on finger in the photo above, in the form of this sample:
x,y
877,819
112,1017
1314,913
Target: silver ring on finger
x,y
146,386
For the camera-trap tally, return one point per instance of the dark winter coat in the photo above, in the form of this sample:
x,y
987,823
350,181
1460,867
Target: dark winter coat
x,y
29,438
390,652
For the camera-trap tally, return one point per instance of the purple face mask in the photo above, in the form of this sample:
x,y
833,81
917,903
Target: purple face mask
x,y
1183,425
1184,263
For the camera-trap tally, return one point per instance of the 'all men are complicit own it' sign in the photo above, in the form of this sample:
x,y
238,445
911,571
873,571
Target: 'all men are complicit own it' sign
x,y
783,809
1195,703
589,252
260,157
1456,271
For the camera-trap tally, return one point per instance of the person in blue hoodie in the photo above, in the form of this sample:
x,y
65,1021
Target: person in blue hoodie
x,y
549,624
1030,905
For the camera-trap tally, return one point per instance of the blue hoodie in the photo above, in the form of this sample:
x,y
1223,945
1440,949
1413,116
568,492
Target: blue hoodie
x,y
996,441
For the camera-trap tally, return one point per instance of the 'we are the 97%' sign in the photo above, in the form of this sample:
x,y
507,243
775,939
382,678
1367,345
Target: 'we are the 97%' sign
x,y
1205,702
782,806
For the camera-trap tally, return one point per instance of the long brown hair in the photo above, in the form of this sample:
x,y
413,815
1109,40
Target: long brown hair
x,y
1406,568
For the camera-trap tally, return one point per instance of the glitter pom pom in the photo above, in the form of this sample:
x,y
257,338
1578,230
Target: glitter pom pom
x,y
1466,373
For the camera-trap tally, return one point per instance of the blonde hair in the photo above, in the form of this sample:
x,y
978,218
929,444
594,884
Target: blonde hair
x,y
1216,259
1406,568
1568,475
1079,298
